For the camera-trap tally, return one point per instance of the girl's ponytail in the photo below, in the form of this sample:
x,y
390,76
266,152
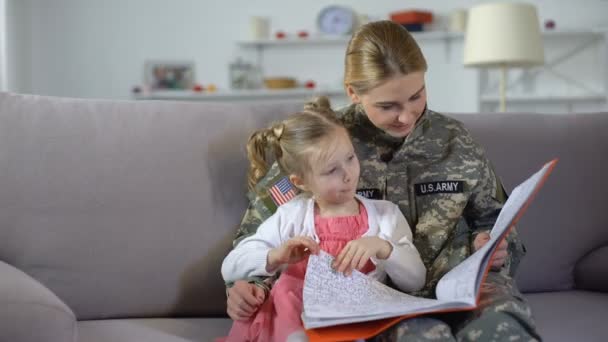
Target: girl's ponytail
x,y
258,146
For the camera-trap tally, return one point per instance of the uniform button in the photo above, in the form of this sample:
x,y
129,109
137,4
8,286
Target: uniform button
x,y
386,157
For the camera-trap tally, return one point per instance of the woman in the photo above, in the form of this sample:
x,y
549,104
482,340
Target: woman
x,y
409,155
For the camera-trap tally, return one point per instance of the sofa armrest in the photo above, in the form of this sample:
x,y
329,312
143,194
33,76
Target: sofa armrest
x,y
591,271
31,312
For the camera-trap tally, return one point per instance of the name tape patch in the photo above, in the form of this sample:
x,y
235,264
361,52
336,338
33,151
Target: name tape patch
x,y
439,187
370,193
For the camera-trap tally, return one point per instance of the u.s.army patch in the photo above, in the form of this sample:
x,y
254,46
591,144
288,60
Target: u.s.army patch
x,y
439,187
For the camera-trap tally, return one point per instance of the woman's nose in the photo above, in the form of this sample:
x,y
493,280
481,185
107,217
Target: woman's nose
x,y
404,116
407,115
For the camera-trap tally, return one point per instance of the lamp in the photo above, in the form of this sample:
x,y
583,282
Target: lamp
x,y
502,35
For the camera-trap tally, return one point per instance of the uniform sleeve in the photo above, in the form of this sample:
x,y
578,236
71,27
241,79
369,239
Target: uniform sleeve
x,y
260,208
404,265
248,259
486,200
249,224
482,210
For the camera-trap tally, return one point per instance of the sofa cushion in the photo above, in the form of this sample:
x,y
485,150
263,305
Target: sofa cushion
x,y
125,208
30,312
570,315
153,330
567,218
591,272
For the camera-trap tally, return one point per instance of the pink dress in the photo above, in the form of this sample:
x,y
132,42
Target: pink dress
x,y
279,316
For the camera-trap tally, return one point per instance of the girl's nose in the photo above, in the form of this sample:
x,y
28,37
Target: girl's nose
x,y
347,176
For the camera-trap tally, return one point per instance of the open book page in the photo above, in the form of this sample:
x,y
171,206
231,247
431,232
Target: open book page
x,y
462,283
330,298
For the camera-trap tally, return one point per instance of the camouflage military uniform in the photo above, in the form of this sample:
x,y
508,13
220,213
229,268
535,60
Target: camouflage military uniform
x,y
447,190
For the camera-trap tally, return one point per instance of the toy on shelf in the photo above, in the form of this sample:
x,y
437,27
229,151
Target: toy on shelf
x,y
412,20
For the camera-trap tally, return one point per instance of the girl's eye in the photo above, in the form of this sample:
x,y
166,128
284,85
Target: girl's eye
x,y
386,107
351,157
415,97
331,171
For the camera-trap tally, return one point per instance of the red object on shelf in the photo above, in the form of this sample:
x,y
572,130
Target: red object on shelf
x,y
411,17
310,84
280,35
303,34
550,24
198,88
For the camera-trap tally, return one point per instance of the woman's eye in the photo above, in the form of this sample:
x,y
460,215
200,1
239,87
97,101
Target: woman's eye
x,y
415,97
351,157
331,171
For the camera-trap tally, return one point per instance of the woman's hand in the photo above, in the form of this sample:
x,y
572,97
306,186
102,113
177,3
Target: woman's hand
x,y
244,300
358,252
292,251
501,253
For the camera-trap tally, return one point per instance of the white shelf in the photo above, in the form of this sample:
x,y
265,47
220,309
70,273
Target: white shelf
x,y
572,33
229,95
294,41
419,36
335,40
545,98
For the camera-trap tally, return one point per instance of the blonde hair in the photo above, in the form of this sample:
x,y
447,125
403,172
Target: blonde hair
x,y
290,141
378,51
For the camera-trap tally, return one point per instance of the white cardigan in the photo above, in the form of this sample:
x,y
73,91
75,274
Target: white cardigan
x,y
296,218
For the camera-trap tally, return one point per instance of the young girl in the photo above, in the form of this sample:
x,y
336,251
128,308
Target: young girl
x,y
371,236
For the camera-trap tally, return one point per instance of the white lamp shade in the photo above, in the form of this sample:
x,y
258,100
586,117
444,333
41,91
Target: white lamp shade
x,y
503,34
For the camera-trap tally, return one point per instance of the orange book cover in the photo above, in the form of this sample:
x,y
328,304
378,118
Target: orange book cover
x,y
513,209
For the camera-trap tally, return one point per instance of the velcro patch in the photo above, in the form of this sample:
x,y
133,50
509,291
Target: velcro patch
x,y
439,187
370,193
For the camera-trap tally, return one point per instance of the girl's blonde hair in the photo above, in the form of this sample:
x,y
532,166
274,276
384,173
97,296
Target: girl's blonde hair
x,y
290,141
378,51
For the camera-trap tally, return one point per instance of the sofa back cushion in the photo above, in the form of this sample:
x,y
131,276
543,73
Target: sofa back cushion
x,y
568,218
125,208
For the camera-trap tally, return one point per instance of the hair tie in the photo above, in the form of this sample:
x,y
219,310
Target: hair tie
x,y
277,130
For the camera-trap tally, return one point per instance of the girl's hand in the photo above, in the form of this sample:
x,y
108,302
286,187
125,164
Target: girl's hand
x,y
292,251
357,253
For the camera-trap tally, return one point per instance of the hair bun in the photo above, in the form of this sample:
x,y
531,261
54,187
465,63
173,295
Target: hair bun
x,y
318,104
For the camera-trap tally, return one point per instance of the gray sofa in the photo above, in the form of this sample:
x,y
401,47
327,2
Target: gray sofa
x,y
115,215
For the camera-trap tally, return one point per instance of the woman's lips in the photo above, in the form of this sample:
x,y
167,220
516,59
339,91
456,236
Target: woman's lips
x,y
400,127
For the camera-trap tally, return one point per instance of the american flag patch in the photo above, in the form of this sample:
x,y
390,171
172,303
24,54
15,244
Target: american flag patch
x,y
282,191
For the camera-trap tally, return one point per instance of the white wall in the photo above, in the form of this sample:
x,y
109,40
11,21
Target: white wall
x,y
18,43
3,29
92,48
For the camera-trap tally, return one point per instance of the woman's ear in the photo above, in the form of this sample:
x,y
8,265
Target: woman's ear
x,y
354,98
298,182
